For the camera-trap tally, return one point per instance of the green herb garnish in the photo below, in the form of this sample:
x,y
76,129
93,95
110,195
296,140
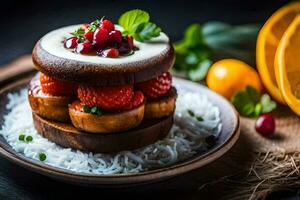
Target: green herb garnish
x,y
92,110
199,118
21,137
191,113
42,156
28,138
94,25
193,56
249,103
86,109
79,32
137,23
212,41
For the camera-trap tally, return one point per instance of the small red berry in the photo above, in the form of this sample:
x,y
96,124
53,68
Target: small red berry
x,y
100,37
89,36
71,42
84,48
111,53
115,36
265,125
108,25
130,42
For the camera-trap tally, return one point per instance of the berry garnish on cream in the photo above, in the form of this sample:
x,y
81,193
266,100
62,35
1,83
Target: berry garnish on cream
x,y
103,38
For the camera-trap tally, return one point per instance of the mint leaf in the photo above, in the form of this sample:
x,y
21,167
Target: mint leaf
x,y
267,104
253,94
94,110
193,56
78,33
146,31
249,103
193,35
248,109
131,19
258,109
136,23
86,109
243,103
200,72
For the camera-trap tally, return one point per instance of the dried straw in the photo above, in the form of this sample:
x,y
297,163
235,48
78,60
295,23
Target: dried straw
x,y
270,172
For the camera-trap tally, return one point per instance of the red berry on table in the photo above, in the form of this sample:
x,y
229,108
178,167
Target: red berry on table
x,y
57,87
108,25
100,37
89,36
115,36
71,42
111,98
156,87
111,53
265,125
84,48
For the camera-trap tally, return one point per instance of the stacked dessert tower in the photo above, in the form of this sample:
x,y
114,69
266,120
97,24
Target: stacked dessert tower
x,y
102,91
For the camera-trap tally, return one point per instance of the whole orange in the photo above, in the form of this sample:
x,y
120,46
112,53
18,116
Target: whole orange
x,y
228,76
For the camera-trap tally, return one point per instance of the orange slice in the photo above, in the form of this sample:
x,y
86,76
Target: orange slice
x,y
267,43
287,65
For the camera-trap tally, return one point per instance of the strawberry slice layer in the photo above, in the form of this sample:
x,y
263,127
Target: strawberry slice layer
x,y
156,87
137,100
112,98
57,87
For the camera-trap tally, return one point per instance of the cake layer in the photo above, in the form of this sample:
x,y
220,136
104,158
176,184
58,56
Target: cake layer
x,y
153,58
66,135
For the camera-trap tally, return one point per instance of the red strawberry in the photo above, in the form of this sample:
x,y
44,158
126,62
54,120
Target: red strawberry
x,y
115,36
111,53
89,36
57,87
156,87
111,98
108,25
137,100
100,38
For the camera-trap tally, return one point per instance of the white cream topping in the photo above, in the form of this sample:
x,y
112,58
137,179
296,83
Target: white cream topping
x,y
53,44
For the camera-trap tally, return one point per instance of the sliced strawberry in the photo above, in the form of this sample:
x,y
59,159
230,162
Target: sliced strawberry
x,y
57,87
156,87
113,98
89,36
137,100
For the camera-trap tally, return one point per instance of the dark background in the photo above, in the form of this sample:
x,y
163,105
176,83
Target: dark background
x,y
24,22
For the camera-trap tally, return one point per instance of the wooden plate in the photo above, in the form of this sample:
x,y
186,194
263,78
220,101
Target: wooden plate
x,y
228,137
